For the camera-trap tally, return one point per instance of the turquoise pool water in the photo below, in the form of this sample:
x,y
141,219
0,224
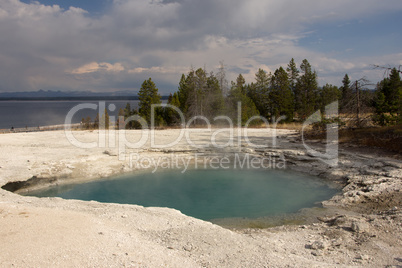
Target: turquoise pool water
x,y
206,194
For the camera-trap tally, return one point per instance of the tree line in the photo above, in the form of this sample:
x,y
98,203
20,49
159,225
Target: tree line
x,y
291,93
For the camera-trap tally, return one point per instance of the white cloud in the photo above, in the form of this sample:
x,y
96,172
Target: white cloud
x,y
96,67
158,70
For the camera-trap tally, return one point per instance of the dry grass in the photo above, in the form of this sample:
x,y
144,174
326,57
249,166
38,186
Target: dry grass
x,y
387,138
292,126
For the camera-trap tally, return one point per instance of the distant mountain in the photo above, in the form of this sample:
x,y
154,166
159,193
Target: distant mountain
x,y
46,94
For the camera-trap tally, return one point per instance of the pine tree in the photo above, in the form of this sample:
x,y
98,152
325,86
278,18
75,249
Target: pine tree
x,y
328,95
392,91
306,91
215,102
237,94
259,92
171,116
175,100
127,112
202,93
281,96
240,82
86,122
196,83
381,117
347,92
96,121
183,93
388,103
293,74
147,96
104,120
120,120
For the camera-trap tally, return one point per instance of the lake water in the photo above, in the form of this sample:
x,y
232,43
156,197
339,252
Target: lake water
x,y
206,194
20,114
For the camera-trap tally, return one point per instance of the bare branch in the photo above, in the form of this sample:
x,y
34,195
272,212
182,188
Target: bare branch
x,y
387,68
363,82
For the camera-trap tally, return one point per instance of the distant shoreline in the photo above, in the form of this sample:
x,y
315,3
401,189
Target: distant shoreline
x,y
77,126
89,98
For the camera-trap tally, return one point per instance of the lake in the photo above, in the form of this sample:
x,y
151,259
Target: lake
x,y
20,114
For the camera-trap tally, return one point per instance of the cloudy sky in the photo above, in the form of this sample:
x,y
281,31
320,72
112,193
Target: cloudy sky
x,y
112,45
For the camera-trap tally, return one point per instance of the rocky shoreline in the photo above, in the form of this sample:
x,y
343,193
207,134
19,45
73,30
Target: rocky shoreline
x,y
362,227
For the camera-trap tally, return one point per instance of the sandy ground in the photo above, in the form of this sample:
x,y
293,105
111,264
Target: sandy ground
x,y
362,225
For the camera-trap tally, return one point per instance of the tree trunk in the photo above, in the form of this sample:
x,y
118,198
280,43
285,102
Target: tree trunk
x,y
358,104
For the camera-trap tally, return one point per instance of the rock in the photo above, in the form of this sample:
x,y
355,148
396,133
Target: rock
x,y
109,153
378,164
340,221
248,150
366,171
360,227
316,245
329,220
363,257
188,247
392,164
317,253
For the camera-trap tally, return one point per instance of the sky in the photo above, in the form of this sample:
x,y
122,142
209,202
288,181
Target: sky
x,y
114,45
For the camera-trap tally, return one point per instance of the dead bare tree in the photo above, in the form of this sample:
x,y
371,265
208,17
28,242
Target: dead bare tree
x,y
221,76
357,107
387,69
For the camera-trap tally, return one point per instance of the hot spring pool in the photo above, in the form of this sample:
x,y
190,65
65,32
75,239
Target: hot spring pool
x,y
205,194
